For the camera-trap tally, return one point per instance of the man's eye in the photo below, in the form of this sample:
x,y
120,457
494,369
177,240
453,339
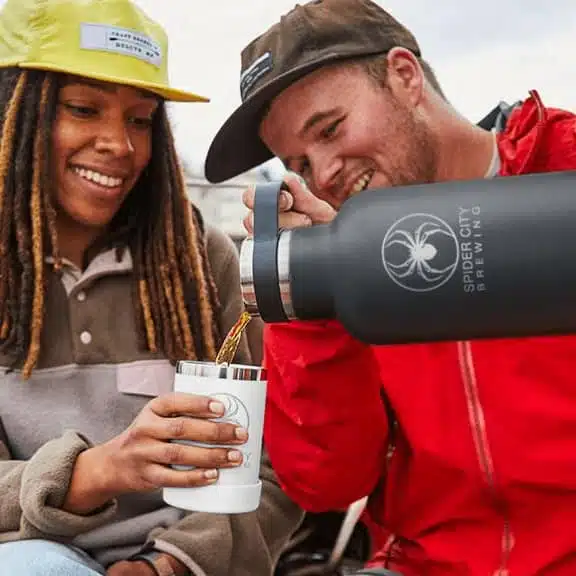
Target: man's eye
x,y
330,130
303,169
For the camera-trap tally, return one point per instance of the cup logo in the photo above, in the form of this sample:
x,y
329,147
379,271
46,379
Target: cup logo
x,y
235,411
420,252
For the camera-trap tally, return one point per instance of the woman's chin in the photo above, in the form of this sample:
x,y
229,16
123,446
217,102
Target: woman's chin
x,y
86,217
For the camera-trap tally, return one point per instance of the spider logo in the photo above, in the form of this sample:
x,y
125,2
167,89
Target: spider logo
x,y
420,252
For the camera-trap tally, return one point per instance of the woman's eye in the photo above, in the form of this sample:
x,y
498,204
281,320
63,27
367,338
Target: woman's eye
x,y
141,122
81,111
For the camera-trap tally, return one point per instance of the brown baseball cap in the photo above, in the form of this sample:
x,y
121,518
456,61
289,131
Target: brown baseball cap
x,y
306,38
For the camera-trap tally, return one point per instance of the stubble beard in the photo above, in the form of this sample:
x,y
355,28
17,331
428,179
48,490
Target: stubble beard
x,y
418,161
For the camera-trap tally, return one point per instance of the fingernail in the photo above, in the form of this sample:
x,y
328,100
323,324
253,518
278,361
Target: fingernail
x,y
241,433
234,456
210,474
216,408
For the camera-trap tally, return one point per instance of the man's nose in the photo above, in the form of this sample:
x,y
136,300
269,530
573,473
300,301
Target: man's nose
x,y
325,171
114,137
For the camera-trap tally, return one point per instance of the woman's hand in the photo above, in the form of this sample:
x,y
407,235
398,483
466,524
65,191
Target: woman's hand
x,y
140,568
126,568
139,459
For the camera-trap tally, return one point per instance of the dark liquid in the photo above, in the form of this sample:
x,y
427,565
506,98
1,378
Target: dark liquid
x,y
230,345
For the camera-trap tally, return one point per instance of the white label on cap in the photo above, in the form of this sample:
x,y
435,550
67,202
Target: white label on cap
x,y
121,41
254,72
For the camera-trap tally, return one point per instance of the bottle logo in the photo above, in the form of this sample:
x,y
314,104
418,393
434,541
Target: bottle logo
x,y
420,252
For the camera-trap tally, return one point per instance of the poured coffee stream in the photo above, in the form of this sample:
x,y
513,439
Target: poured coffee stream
x,y
232,340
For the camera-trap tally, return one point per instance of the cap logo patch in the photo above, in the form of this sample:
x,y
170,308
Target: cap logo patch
x,y
254,72
123,41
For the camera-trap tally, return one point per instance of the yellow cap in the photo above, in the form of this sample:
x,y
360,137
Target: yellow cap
x,y
108,40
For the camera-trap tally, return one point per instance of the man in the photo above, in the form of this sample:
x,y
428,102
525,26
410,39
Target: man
x,y
482,478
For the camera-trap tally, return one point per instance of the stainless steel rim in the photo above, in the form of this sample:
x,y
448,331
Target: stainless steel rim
x,y
247,277
221,371
283,269
284,273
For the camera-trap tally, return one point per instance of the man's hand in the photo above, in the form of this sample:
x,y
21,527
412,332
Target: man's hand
x,y
298,207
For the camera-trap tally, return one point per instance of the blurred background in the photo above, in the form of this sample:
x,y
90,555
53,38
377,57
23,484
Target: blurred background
x,y
482,51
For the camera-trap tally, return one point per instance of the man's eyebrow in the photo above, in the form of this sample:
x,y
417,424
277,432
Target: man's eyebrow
x,y
315,119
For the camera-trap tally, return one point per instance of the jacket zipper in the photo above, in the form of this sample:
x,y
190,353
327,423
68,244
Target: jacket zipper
x,y
478,426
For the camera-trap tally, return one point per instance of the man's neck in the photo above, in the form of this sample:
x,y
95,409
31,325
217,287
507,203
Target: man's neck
x,y
466,152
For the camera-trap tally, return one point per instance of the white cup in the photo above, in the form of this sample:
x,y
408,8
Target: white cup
x,y
242,390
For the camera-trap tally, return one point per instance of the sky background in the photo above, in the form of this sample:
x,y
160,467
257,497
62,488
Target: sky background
x,y
483,51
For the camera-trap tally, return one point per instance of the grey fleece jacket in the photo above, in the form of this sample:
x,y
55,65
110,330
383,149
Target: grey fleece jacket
x,y
91,383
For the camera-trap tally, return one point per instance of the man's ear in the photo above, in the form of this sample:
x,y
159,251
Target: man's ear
x,y
405,76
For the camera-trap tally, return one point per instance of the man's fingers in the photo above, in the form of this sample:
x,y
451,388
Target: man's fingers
x,y
291,220
285,200
248,197
286,221
248,223
179,403
319,211
298,208
285,203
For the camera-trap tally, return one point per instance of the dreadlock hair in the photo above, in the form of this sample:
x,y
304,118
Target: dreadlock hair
x,y
176,302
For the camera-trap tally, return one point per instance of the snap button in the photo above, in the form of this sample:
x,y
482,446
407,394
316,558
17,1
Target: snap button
x,y
81,296
85,337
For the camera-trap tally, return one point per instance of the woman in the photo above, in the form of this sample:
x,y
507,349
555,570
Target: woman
x,y
107,276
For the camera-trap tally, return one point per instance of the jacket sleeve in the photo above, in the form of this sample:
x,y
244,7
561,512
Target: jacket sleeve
x,y
326,426
33,493
234,544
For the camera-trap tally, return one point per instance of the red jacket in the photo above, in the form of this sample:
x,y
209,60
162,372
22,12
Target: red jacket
x,y
482,481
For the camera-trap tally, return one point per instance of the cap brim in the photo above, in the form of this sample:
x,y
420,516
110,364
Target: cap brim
x,y
237,146
161,90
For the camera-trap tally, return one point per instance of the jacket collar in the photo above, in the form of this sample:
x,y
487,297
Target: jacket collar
x,y
519,141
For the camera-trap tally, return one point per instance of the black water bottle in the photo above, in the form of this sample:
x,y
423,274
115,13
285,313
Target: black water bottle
x,y
447,261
